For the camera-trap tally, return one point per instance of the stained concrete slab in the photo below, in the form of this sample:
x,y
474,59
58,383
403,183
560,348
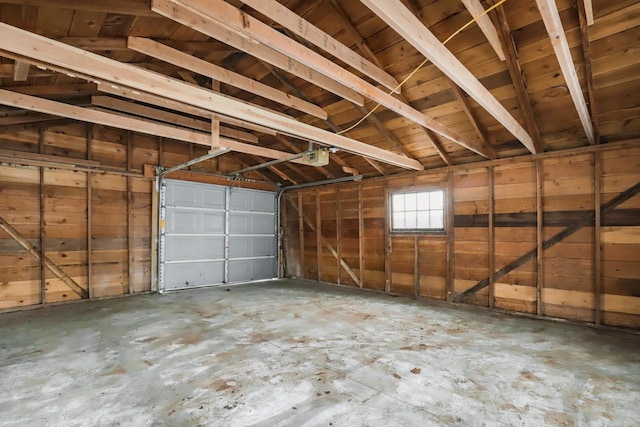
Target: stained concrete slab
x,y
293,353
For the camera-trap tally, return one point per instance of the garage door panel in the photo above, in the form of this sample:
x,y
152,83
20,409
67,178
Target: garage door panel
x,y
214,198
181,220
209,241
186,194
251,269
246,223
252,201
185,248
251,246
190,274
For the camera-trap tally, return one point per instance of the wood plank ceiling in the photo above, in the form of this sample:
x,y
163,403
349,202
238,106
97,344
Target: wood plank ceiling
x,y
529,76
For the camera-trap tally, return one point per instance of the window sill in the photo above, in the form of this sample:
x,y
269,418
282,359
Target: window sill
x,y
418,232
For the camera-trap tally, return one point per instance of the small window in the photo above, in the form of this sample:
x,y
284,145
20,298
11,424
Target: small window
x,y
418,211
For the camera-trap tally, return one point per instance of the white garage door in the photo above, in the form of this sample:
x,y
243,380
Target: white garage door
x,y
214,235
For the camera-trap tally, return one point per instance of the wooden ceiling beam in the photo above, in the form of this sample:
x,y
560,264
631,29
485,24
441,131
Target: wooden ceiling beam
x,y
583,16
366,50
133,124
171,118
99,44
18,119
398,17
187,77
412,5
486,26
499,17
181,107
186,16
553,24
466,107
242,25
7,70
43,51
288,83
384,132
65,90
305,29
197,65
371,118
123,7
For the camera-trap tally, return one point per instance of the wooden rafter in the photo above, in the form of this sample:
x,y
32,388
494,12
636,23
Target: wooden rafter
x,y
24,118
303,28
187,77
171,118
466,107
6,71
584,221
184,60
412,5
64,90
583,16
98,44
330,123
133,124
370,117
186,16
515,71
366,50
39,50
288,83
384,132
182,107
398,17
217,12
551,18
486,26
124,7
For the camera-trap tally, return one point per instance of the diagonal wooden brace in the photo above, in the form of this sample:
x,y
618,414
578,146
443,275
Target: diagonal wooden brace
x,y
47,262
327,245
588,219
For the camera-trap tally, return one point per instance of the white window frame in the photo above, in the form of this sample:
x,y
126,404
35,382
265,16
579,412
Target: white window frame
x,y
419,211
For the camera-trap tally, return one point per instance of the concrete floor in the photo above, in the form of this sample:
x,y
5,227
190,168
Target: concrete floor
x,y
296,353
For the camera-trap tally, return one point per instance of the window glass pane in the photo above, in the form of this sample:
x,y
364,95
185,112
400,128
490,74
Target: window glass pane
x,y
423,219
398,220
410,202
410,219
397,203
422,210
437,199
437,220
423,201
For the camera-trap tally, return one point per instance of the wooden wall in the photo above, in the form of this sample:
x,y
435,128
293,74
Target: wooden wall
x,y
500,214
78,191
